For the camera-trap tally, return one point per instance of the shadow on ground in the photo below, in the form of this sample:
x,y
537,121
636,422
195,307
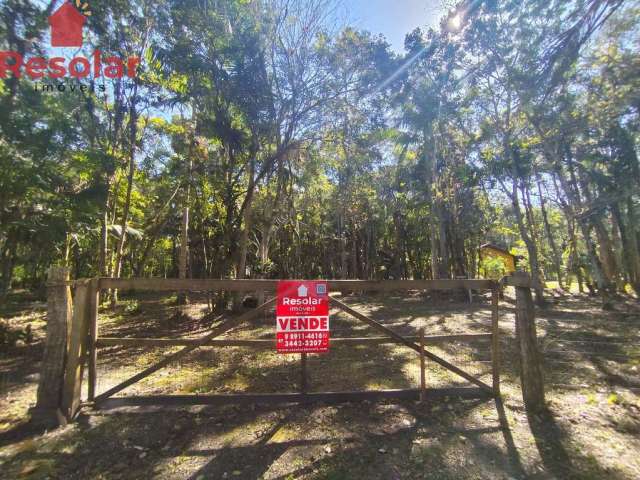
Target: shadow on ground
x,y
450,438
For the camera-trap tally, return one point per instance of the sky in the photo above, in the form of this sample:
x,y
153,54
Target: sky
x,y
393,18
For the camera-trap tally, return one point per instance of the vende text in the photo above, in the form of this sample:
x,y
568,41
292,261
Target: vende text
x,y
290,324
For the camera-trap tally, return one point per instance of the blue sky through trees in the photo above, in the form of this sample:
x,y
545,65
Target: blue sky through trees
x,y
394,18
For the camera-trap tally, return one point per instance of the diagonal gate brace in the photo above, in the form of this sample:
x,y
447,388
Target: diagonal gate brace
x,y
414,346
219,330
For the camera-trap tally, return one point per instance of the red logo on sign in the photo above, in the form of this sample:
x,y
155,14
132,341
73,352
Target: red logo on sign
x,y
302,317
66,26
66,31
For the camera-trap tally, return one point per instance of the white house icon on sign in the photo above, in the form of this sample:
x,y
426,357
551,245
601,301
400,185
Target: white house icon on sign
x,y
302,291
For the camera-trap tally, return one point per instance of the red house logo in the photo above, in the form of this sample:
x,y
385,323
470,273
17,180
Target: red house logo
x,y
66,26
66,31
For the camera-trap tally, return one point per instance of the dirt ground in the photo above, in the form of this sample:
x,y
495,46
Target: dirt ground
x,y
592,363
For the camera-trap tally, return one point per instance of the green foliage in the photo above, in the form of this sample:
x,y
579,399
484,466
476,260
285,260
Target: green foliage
x,y
493,267
131,307
296,150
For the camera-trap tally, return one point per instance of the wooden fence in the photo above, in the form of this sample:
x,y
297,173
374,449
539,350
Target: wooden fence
x,y
73,340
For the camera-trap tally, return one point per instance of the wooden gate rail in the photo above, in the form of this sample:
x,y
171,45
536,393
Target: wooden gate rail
x,y
278,398
194,284
85,340
209,340
265,344
73,339
190,345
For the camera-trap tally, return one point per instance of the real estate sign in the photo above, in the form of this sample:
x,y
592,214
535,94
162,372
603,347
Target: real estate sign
x,y
302,317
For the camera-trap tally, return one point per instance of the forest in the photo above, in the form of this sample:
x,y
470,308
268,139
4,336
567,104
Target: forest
x,y
457,219
270,140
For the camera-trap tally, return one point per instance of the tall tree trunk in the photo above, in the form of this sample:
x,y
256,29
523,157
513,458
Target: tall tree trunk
x,y
184,251
532,249
398,261
607,256
243,241
224,267
184,231
574,261
604,286
354,254
531,226
557,262
570,186
434,247
133,119
622,277
573,265
629,249
105,260
271,213
104,241
430,187
151,238
443,260
247,219
152,231
7,261
633,227
342,246
572,191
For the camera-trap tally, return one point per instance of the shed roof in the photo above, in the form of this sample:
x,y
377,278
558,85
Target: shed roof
x,y
493,246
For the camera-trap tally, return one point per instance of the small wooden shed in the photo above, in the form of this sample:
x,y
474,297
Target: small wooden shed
x,y
489,250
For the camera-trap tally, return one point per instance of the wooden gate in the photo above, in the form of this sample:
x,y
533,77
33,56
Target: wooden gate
x,y
85,341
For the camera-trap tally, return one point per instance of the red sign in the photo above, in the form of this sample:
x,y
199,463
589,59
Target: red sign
x,y
302,317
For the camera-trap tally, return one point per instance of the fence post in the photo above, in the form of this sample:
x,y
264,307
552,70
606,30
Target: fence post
x,y
77,350
423,381
495,341
530,359
59,312
94,302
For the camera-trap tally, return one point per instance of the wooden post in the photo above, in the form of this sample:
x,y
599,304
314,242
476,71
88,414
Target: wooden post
x,y
77,350
495,341
423,381
530,359
59,312
303,372
94,301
